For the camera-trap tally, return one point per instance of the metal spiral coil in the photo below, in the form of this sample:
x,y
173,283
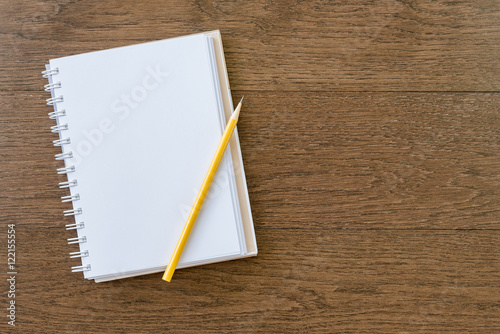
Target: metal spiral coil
x,y
70,198
75,226
65,155
68,184
54,100
66,170
77,240
74,212
51,86
48,73
79,254
58,128
80,268
57,114
61,142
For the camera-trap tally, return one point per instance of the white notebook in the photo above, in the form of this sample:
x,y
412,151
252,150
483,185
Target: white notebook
x,y
138,127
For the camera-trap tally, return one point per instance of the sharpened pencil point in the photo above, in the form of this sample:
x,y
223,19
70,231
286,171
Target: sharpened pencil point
x,y
219,153
236,113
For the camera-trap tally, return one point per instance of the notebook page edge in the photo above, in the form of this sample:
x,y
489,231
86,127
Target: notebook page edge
x,y
248,224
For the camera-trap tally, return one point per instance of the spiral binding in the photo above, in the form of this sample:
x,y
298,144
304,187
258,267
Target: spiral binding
x,y
68,184
80,268
62,156
49,87
79,254
70,198
77,240
57,114
66,170
75,226
48,73
54,100
58,128
61,142
74,212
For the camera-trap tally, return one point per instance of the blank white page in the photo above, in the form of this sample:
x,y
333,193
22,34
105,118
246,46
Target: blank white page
x,y
144,124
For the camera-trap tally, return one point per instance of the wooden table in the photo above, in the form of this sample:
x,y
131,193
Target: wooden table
x,y
371,142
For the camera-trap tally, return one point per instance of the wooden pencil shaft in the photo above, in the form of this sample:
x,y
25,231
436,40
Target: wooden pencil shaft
x,y
200,198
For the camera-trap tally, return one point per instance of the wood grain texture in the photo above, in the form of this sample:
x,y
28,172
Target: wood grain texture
x,y
302,281
324,160
383,45
370,135
374,160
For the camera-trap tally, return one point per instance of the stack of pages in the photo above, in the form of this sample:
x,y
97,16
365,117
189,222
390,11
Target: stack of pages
x,y
138,127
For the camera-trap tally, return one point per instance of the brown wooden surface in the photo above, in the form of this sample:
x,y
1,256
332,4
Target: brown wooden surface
x,y
371,141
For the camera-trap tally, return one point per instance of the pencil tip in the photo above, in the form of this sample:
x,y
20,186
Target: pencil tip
x,y
236,114
242,99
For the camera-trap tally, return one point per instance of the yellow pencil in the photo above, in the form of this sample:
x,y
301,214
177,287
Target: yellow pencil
x,y
219,153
